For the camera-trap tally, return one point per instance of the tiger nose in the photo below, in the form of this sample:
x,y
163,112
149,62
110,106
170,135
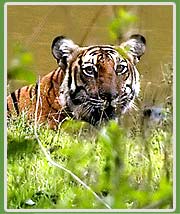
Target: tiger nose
x,y
109,96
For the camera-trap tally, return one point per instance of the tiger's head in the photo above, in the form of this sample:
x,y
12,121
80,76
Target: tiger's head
x,y
101,81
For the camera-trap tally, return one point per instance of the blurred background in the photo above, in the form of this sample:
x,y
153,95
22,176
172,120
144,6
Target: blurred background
x,y
31,29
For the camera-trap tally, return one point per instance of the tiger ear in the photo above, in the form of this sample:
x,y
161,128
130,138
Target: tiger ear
x,y
135,46
62,49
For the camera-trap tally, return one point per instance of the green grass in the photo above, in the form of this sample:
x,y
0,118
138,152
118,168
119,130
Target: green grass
x,y
128,168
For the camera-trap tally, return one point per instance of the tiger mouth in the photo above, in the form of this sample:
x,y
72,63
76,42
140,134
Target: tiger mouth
x,y
96,103
94,110
99,103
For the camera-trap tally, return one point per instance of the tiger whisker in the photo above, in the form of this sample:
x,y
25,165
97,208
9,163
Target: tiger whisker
x,y
86,110
134,106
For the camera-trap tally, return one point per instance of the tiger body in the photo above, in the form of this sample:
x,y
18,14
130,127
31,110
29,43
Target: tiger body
x,y
93,83
25,99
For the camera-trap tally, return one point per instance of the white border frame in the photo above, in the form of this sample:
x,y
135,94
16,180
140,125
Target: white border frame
x,y
174,106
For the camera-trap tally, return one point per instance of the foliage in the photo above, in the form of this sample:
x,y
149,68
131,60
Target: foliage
x,y
20,67
125,172
120,24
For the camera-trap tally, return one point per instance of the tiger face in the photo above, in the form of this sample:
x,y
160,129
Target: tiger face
x,y
100,83
94,84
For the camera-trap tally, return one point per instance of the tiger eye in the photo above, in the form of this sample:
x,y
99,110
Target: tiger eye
x,y
89,71
121,69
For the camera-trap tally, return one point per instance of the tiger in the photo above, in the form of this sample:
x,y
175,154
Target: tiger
x,y
93,83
